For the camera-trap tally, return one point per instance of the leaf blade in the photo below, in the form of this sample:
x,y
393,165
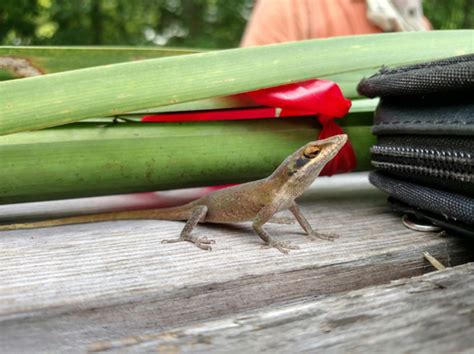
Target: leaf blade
x,y
55,99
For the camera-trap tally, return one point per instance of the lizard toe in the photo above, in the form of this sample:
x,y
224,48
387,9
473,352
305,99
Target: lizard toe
x,y
322,236
172,240
205,240
201,242
203,246
282,246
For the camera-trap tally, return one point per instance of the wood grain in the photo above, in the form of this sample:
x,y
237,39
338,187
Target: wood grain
x,y
64,288
433,313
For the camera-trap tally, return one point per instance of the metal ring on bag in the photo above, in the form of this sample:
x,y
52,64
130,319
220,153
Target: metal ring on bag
x,y
418,227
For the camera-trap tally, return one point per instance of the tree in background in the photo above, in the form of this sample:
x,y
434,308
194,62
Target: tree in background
x,y
18,19
452,14
179,23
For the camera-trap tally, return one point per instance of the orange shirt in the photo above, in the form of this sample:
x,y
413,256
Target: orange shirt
x,y
276,21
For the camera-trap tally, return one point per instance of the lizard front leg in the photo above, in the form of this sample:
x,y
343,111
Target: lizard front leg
x,y
295,210
262,217
198,214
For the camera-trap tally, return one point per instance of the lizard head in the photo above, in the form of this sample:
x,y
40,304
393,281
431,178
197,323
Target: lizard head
x,y
304,165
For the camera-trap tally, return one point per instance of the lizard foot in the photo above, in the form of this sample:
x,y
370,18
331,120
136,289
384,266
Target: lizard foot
x,y
317,235
282,246
201,242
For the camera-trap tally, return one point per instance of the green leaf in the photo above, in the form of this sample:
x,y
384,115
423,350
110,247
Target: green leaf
x,y
87,159
48,60
84,160
44,101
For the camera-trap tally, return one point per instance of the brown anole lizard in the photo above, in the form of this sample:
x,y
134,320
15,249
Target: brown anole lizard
x,y
254,201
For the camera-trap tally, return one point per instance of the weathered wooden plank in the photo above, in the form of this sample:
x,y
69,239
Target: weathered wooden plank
x,y
66,287
433,313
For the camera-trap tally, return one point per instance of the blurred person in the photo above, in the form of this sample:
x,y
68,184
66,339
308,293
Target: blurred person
x,y
276,21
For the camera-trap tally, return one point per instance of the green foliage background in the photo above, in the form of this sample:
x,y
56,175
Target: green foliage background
x,y
177,23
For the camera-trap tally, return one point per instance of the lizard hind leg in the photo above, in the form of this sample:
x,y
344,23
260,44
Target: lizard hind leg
x,y
198,214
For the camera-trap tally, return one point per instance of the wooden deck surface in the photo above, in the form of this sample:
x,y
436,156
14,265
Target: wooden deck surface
x,y
433,313
89,287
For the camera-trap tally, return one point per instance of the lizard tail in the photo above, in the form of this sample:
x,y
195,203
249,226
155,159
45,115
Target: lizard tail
x,y
175,213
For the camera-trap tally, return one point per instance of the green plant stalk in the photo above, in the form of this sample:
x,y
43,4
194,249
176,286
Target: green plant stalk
x,y
48,60
90,159
16,62
44,101
227,102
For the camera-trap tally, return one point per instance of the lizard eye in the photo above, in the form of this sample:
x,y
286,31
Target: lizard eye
x,y
311,152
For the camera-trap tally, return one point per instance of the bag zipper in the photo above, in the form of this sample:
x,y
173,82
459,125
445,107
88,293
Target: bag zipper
x,y
454,165
441,162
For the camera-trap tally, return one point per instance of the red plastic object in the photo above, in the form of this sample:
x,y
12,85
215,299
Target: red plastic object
x,y
308,98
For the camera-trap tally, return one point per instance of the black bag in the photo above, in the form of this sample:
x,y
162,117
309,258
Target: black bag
x,y
424,157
